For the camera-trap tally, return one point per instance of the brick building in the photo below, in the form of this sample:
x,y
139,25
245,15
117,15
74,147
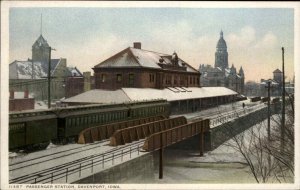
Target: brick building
x,y
138,68
74,82
19,101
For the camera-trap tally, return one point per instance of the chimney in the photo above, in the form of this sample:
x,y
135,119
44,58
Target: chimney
x,y
11,94
26,94
137,45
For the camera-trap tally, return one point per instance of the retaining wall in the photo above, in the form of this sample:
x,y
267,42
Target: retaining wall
x,y
133,171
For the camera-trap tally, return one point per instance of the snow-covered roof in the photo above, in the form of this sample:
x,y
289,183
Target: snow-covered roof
x,y
133,57
73,72
31,70
140,94
100,96
273,82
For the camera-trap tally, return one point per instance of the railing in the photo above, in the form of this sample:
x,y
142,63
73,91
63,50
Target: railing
x,y
171,136
105,131
128,135
64,171
223,118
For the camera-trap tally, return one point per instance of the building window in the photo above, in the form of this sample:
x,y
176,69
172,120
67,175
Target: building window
x,y
197,80
103,77
168,79
119,77
190,80
151,77
131,79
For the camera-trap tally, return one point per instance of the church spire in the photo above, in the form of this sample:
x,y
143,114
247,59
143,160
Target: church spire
x,y
221,55
241,72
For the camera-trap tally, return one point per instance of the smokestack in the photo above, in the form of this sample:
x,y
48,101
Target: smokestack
x,y
26,94
137,45
11,94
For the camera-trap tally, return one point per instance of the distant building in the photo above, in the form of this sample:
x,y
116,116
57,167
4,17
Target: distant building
x,y
32,74
276,85
74,82
19,101
252,89
221,74
138,68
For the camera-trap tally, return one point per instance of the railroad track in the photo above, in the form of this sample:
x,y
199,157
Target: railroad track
x,y
60,171
11,166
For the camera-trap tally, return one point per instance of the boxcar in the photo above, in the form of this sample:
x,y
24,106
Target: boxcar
x,y
31,129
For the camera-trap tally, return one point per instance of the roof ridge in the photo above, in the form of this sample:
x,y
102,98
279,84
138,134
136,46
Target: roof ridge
x,y
126,94
135,57
150,51
111,57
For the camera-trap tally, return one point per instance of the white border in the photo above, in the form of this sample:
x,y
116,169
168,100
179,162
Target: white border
x,y
4,78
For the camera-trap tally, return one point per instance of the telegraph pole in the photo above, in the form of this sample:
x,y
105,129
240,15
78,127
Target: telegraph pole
x,y
49,78
283,101
269,128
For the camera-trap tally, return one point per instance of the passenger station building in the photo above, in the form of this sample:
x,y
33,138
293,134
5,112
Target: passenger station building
x,y
135,74
137,68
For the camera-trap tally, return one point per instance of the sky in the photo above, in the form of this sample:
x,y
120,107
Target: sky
x,y
88,36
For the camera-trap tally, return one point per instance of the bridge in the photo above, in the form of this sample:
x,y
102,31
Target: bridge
x,y
73,163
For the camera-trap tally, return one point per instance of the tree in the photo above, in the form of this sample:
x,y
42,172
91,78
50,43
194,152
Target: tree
x,y
266,161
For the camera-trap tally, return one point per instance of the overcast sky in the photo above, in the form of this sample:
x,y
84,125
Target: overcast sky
x,y
87,36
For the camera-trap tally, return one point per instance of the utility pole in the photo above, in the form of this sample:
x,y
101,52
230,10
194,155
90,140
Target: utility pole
x,y
49,78
283,102
269,86
236,83
269,128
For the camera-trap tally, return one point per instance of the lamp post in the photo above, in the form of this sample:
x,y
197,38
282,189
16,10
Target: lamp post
x,y
49,77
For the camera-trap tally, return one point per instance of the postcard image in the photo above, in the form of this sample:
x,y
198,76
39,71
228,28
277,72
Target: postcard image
x,y
149,95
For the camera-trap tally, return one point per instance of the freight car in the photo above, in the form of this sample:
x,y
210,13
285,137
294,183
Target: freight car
x,y
33,130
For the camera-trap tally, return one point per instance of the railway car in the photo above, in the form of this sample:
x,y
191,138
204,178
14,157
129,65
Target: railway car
x,y
71,121
255,99
31,129
35,129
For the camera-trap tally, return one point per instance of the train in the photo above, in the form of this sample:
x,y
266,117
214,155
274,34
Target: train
x,y
34,130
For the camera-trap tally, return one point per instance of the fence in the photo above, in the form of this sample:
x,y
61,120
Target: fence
x,y
64,171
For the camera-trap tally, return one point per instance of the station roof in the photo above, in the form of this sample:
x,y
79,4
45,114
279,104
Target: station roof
x,y
133,57
140,94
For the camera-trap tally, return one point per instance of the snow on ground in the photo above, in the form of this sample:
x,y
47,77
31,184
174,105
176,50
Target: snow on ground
x,y
221,165
181,167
